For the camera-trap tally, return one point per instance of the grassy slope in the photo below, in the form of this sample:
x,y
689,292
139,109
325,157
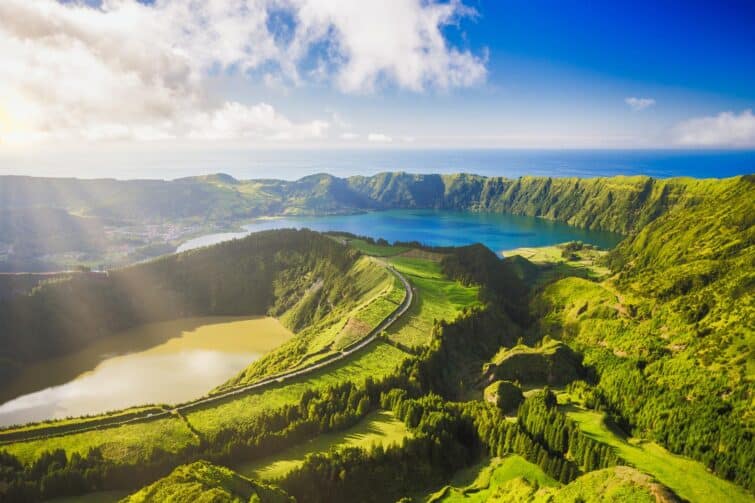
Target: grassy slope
x,y
436,298
441,298
689,479
680,312
376,250
127,443
671,335
374,294
203,481
379,427
553,265
479,482
513,479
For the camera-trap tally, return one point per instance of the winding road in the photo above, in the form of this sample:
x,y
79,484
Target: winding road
x,y
52,431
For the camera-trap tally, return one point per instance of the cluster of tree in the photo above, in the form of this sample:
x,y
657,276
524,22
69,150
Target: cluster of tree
x,y
53,474
550,427
446,437
543,435
443,440
477,264
450,364
689,272
318,411
204,481
705,428
266,272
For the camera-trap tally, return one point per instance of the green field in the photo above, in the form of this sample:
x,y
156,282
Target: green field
x,y
479,482
689,479
436,298
554,264
205,482
127,443
377,361
376,250
374,293
379,427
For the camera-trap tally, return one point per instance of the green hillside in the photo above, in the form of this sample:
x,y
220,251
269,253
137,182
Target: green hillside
x,y
650,347
553,363
107,223
296,273
205,482
671,335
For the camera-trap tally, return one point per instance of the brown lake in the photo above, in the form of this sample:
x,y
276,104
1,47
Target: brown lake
x,y
167,362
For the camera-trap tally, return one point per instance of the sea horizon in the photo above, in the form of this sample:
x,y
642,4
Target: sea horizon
x,y
292,164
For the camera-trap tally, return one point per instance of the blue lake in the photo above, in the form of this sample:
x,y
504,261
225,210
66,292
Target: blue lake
x,y
436,228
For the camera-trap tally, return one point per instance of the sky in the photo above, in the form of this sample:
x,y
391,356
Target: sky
x,y
113,77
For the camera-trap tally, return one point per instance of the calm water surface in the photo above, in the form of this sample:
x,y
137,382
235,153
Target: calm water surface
x,y
436,228
166,362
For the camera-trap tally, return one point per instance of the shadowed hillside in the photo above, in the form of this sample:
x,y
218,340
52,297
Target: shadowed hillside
x,y
266,273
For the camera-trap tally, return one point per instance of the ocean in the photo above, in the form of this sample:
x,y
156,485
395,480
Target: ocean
x,y
296,163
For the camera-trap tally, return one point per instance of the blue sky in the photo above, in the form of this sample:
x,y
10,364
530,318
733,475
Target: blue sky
x,y
169,76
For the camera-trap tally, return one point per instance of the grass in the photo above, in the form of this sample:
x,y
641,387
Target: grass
x,y
203,481
125,444
436,298
368,301
379,427
584,263
378,361
479,482
376,250
689,479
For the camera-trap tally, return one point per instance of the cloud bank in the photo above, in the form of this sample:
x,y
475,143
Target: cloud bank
x,y
379,138
727,129
125,70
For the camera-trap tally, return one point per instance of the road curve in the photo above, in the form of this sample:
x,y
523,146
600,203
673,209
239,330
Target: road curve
x,y
274,379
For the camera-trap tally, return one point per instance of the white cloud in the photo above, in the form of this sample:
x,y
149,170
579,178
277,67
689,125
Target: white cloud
x,y
125,70
235,120
397,41
638,104
379,138
349,136
727,129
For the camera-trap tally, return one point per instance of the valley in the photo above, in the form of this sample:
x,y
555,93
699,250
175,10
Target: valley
x,y
375,362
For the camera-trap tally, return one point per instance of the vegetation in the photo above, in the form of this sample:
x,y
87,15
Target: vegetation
x,y
377,428
671,336
505,395
488,477
546,264
436,297
688,479
202,481
364,296
129,211
553,363
660,348
266,273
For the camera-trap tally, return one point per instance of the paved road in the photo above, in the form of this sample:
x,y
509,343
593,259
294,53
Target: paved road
x,y
275,379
